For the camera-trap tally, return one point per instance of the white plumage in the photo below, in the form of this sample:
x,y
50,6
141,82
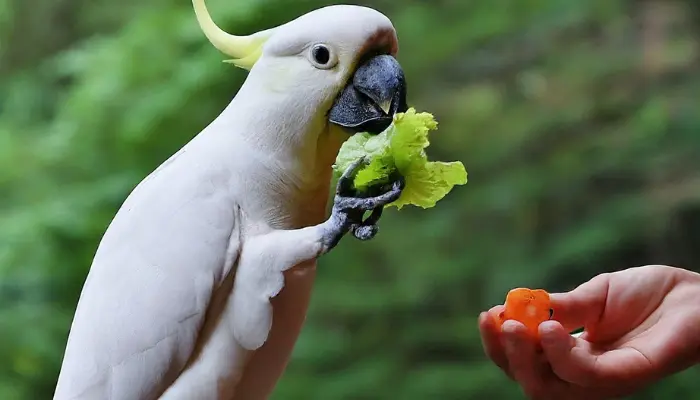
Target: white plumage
x,y
177,301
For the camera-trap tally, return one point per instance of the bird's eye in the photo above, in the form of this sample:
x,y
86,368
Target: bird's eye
x,y
322,56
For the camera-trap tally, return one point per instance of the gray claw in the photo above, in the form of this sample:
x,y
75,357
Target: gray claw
x,y
349,208
368,228
365,232
345,183
371,203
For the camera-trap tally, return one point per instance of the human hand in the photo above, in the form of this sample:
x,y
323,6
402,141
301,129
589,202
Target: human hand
x,y
640,325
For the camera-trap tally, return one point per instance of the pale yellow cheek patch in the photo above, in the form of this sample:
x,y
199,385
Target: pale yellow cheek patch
x,y
281,80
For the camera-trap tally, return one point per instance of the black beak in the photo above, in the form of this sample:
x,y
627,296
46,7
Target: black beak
x,y
375,93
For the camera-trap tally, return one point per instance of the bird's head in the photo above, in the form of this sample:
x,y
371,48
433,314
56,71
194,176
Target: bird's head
x,y
337,62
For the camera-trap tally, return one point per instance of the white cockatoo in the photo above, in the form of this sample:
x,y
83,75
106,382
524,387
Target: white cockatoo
x,y
200,285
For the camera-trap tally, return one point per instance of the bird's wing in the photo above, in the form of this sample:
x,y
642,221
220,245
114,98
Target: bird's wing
x,y
138,318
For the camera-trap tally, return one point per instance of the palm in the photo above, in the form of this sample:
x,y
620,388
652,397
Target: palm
x,y
646,332
633,304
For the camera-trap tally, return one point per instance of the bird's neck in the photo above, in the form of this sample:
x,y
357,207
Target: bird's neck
x,y
289,157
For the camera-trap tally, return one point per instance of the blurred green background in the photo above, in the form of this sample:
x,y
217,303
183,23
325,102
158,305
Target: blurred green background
x,y
578,121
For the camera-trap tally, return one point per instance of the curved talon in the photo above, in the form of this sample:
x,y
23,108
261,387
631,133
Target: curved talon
x,y
370,203
349,207
345,183
400,181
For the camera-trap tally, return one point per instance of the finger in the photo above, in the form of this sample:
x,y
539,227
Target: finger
x,y
570,358
523,360
491,338
582,306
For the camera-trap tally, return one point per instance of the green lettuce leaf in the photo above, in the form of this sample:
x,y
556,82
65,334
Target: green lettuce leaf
x,y
402,147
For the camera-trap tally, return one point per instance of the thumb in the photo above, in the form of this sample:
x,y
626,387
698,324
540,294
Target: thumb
x,y
583,306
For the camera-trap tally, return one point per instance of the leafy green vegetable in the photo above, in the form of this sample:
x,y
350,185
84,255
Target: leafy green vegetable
x,y
402,147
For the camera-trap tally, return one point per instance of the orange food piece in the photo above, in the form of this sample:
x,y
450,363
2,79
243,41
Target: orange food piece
x,y
530,307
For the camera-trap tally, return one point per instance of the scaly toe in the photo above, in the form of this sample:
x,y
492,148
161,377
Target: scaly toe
x,y
345,183
365,232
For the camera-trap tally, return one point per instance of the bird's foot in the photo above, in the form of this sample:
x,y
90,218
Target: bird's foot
x,y
349,206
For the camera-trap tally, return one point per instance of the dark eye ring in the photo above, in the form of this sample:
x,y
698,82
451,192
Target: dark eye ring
x,y
323,57
321,54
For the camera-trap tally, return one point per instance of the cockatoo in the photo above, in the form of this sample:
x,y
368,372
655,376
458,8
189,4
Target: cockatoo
x,y
199,287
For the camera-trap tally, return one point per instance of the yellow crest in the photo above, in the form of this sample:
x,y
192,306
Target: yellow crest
x,y
245,50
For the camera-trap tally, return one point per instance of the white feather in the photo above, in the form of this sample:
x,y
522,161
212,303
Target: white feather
x,y
177,301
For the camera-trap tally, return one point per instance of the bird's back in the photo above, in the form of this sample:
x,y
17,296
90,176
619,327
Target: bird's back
x,y
150,284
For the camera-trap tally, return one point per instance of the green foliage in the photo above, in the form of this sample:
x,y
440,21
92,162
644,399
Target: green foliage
x,y
578,128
